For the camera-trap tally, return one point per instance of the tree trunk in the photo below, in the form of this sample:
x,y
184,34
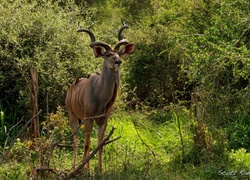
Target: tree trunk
x,y
34,130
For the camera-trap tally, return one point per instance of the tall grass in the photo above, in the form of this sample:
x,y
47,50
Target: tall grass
x,y
150,147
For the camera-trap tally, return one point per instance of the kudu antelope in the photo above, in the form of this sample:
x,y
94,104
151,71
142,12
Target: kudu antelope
x,y
95,95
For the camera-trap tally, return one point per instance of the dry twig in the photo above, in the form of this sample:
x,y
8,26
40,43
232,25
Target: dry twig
x,y
104,142
5,153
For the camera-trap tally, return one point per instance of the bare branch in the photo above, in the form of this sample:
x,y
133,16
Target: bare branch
x,y
5,153
104,142
94,117
245,33
8,134
57,143
42,169
85,119
108,142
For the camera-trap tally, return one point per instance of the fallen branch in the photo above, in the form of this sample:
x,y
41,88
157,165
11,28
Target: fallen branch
x,y
104,142
63,175
67,137
57,143
5,153
8,134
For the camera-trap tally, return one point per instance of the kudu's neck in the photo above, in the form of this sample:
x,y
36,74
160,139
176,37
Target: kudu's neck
x,y
110,79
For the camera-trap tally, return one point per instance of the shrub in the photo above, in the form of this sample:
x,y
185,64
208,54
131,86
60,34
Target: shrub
x,y
40,34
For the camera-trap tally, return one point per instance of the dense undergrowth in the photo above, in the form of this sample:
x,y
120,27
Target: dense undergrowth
x,y
149,148
189,57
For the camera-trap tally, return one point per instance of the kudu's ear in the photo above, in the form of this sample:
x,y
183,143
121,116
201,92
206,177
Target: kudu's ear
x,y
98,51
128,49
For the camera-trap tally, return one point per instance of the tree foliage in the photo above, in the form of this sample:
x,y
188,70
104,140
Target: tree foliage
x,y
43,35
200,46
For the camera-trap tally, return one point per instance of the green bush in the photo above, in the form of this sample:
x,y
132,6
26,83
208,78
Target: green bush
x,y
43,35
239,134
154,71
218,61
200,46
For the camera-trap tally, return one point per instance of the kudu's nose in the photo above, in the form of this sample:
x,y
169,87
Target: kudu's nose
x,y
118,62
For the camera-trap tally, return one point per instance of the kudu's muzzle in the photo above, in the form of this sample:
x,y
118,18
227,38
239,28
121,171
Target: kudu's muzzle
x,y
118,62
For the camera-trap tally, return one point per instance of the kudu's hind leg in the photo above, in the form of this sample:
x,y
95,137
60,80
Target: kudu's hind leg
x,y
88,126
101,132
74,127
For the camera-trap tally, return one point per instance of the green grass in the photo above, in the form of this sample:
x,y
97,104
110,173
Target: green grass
x,y
149,148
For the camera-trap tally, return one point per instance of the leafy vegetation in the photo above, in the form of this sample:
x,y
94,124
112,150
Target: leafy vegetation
x,y
183,107
146,150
